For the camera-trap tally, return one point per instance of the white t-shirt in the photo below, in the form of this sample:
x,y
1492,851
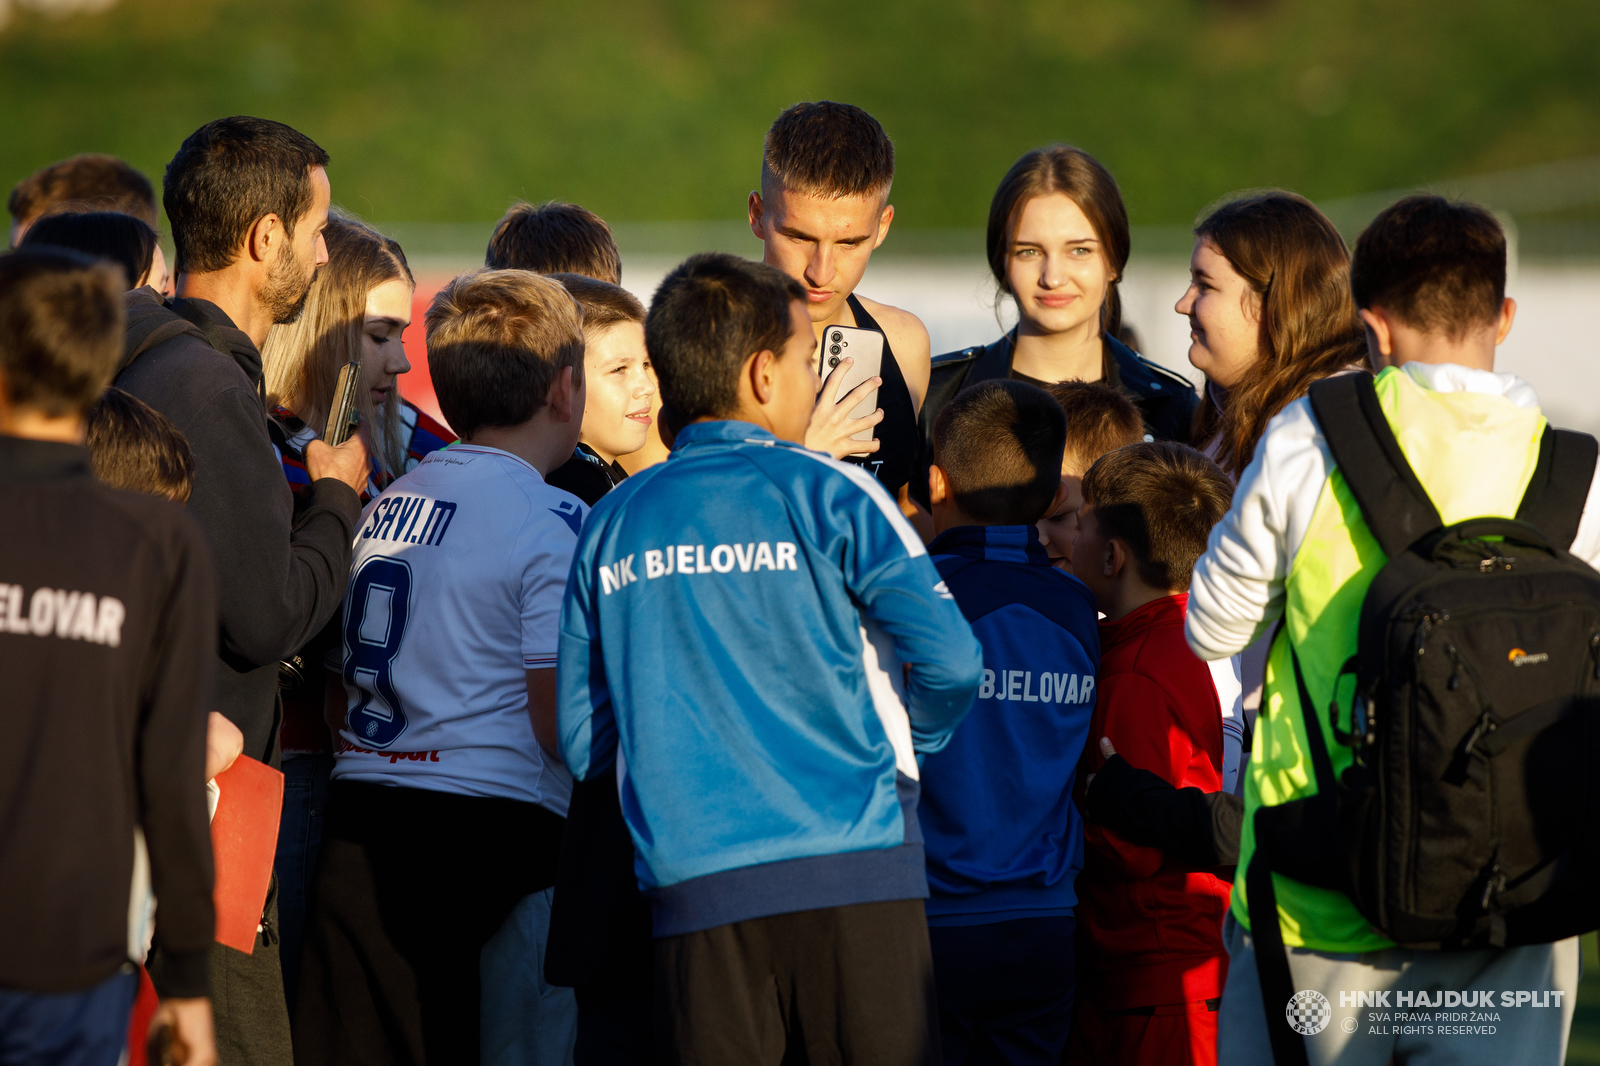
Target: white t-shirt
x,y
455,591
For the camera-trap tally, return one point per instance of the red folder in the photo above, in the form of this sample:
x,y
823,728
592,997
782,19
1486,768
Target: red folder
x,y
244,839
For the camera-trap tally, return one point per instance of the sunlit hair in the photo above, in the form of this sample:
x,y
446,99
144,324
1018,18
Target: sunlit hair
x,y
1296,262
1061,168
302,359
827,149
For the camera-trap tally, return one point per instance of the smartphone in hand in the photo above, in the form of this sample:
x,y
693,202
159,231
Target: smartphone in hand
x,y
865,346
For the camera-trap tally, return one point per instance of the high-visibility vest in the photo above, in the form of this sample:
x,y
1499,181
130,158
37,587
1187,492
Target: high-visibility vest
x,y
1475,454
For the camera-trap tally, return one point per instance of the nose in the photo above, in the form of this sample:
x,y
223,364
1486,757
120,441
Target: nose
x,y
322,250
819,268
1185,304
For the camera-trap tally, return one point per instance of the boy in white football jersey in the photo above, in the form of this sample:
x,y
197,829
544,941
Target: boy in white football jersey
x,y
447,806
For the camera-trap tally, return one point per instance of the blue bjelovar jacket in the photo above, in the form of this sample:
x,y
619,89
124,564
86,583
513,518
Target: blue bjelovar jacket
x,y
733,638
1004,839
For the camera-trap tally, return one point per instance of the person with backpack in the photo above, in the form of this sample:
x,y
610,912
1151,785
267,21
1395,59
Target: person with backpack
x,y
1393,855
248,200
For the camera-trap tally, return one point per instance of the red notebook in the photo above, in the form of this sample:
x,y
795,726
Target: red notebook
x,y
244,839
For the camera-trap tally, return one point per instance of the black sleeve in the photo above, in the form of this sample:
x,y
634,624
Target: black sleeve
x,y
1197,827
281,576
171,766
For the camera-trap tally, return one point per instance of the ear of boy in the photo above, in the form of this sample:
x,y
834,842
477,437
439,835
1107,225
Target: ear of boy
x,y
549,438
777,390
1392,341
1111,570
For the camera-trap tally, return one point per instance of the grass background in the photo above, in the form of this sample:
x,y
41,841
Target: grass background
x,y
652,111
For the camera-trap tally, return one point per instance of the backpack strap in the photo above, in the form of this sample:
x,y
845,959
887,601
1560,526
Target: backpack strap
x,y
1395,505
1560,484
1266,932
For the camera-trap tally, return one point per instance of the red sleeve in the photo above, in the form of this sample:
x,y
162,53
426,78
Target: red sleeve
x,y
1149,732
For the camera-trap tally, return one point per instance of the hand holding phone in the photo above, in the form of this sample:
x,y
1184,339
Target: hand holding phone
x,y
848,359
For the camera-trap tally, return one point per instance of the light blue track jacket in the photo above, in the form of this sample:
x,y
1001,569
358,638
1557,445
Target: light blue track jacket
x,y
732,637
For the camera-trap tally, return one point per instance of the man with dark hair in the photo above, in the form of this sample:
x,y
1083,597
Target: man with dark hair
x,y
247,200
1004,839
1428,276
554,238
87,182
822,208
107,624
770,788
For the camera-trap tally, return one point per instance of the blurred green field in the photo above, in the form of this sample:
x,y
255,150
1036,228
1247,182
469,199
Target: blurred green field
x,y
444,113
1584,1049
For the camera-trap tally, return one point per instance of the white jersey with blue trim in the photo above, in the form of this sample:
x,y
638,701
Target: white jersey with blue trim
x,y
455,591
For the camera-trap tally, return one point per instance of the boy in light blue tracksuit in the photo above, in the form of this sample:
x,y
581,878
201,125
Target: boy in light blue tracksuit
x,y
1004,839
757,638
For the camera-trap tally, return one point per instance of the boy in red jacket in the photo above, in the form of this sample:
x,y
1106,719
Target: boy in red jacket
x,y
1150,923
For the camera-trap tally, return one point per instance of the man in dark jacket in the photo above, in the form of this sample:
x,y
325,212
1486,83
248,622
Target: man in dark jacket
x,y
247,200
107,609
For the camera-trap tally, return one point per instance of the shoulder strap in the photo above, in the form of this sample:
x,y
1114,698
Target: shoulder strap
x,y
1393,502
1559,488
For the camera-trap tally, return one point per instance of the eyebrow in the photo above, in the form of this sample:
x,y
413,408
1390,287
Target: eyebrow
x,y
1040,244
386,320
802,235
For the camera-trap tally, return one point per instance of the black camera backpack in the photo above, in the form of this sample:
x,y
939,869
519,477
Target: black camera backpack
x,y
1470,816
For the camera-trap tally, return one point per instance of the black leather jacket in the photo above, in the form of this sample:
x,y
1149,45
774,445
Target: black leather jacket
x,y
1164,399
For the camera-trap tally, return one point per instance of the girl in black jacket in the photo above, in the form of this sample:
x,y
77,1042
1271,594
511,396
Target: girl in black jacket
x,y
1058,242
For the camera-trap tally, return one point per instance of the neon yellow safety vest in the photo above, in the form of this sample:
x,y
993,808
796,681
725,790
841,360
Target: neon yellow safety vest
x,y
1475,454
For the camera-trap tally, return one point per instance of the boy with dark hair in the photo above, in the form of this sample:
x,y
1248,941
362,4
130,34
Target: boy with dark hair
x,y
1429,280
770,787
1003,838
247,200
1099,419
1150,918
107,625
554,238
822,208
447,803
135,447
86,182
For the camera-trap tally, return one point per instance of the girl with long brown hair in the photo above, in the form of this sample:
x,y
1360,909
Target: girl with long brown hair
x,y
1057,245
1270,312
357,307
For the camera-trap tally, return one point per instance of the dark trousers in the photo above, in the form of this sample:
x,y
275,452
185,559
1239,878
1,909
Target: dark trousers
x,y
88,1028
410,886
845,985
305,803
1005,991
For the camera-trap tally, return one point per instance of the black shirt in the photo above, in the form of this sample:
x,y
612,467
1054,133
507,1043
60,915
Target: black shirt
x,y
1165,400
891,464
281,569
586,475
108,635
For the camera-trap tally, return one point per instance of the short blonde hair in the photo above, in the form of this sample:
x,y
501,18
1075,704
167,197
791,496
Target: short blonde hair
x,y
497,340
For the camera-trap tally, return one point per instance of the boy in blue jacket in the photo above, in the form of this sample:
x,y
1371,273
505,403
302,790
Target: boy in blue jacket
x,y
1004,840
755,637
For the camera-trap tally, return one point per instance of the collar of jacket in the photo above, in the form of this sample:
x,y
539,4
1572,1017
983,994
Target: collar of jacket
x,y
1122,366
614,471
24,459
1167,609
204,313
731,431
995,544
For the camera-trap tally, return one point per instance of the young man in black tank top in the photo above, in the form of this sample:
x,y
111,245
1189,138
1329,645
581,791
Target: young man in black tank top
x,y
822,208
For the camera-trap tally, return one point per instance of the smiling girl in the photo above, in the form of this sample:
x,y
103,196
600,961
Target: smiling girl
x,y
1269,311
1058,242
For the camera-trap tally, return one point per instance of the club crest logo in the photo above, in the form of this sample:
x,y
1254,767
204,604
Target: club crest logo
x,y
1308,1012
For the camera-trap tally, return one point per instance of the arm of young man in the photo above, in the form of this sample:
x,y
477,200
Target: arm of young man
x,y
586,729
280,576
1197,827
171,768
901,594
